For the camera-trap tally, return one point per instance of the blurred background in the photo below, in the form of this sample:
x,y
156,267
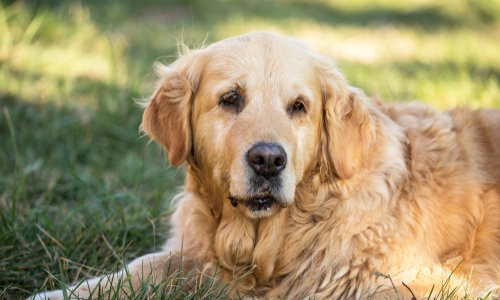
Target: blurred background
x,y
79,187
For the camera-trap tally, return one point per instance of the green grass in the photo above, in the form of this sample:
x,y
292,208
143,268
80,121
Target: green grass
x,y
79,187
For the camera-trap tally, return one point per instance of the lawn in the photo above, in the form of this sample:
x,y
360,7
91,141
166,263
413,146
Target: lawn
x,y
80,188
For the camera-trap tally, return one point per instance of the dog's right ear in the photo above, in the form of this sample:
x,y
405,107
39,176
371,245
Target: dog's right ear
x,y
167,117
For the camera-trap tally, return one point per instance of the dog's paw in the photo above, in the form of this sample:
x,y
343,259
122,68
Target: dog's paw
x,y
80,292
52,295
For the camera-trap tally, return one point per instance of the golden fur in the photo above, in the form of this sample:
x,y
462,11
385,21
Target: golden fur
x,y
399,189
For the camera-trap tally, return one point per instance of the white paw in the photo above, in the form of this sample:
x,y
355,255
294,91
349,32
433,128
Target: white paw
x,y
52,295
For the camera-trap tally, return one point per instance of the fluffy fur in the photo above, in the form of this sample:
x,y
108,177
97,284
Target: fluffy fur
x,y
399,189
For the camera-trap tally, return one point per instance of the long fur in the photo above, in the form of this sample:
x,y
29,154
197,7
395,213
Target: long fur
x,y
402,189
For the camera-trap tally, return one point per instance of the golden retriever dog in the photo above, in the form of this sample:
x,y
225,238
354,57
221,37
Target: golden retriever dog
x,y
312,188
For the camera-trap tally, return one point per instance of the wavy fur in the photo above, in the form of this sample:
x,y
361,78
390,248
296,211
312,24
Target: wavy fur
x,y
399,189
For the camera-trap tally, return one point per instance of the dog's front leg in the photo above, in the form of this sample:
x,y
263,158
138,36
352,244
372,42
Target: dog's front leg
x,y
149,269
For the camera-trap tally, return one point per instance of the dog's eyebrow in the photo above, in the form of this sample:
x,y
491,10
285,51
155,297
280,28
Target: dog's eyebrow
x,y
305,95
224,84
222,87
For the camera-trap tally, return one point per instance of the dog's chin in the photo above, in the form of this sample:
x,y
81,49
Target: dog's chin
x,y
259,205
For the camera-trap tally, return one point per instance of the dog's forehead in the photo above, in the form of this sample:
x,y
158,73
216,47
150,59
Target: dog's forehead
x,y
259,54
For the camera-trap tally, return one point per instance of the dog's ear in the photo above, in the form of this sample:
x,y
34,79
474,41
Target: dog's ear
x,y
167,117
349,132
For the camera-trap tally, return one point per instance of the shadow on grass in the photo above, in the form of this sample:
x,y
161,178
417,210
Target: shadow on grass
x,y
75,182
322,12
208,14
428,19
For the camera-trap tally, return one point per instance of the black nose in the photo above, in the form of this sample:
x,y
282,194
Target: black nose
x,y
266,159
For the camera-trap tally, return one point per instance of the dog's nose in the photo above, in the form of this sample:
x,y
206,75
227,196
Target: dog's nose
x,y
267,159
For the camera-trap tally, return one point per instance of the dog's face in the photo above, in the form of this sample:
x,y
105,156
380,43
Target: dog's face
x,y
250,113
255,121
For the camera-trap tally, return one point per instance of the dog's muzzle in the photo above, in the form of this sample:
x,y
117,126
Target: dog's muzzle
x,y
267,161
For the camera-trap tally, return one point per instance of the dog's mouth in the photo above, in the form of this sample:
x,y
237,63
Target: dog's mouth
x,y
260,202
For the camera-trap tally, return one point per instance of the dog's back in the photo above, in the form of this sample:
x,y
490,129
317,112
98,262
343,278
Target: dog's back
x,y
455,171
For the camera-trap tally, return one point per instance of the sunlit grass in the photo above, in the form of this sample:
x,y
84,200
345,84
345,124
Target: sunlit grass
x,y
72,163
47,58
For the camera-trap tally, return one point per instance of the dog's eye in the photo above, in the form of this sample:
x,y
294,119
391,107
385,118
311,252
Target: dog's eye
x,y
229,99
297,107
232,100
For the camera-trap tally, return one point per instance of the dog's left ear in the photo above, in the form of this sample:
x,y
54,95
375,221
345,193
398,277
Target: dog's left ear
x,y
167,117
349,132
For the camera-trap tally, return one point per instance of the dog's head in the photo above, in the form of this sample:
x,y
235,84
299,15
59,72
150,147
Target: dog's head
x,y
256,114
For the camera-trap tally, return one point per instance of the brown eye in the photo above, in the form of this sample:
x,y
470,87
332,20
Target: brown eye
x,y
297,108
229,99
232,101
